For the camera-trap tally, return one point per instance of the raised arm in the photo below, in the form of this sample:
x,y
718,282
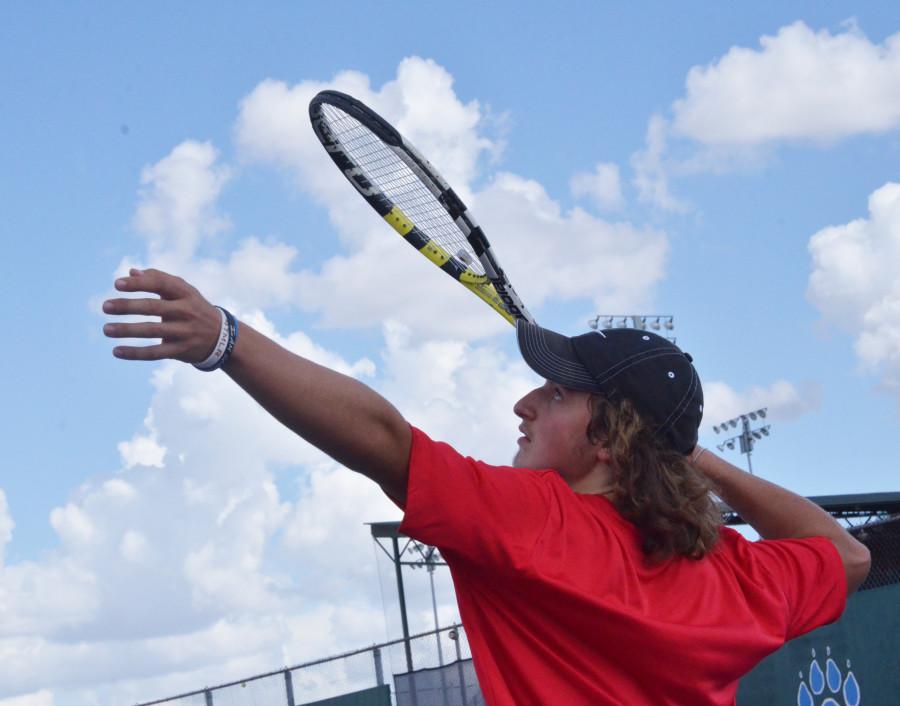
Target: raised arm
x,y
341,416
777,513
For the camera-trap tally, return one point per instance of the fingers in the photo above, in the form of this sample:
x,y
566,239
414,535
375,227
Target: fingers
x,y
157,352
152,329
156,282
141,307
188,325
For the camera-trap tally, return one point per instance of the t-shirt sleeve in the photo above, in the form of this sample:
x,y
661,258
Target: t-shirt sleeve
x,y
810,574
485,514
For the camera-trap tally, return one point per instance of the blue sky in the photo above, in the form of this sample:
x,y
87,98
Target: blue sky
x,y
735,167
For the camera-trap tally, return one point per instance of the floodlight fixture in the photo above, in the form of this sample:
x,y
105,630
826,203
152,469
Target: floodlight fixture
x,y
747,436
642,322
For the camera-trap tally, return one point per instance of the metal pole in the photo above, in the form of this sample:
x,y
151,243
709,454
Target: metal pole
x,y
208,695
461,672
437,627
746,441
409,662
379,671
289,687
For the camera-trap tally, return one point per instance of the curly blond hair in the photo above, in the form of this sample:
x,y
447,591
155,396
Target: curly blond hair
x,y
655,487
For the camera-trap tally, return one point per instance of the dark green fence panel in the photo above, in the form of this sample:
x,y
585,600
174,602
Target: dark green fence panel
x,y
853,661
376,696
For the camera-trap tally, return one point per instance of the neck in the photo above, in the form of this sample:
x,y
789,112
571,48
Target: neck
x,y
598,481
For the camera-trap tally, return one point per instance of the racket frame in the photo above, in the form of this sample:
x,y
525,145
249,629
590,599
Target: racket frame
x,y
493,286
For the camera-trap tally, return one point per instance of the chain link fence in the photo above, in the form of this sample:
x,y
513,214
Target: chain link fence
x,y
322,681
883,541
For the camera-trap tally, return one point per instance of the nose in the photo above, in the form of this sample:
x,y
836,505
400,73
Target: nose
x,y
524,408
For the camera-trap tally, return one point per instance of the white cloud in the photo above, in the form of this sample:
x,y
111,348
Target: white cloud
x,y
854,282
273,127
31,602
177,198
380,277
133,546
651,174
800,84
783,400
546,253
44,697
143,449
569,255
119,489
603,186
457,411
73,525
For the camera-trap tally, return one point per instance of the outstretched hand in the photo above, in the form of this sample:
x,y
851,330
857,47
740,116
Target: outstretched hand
x,y
189,325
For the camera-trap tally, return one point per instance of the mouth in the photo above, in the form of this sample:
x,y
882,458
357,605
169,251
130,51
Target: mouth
x,y
525,438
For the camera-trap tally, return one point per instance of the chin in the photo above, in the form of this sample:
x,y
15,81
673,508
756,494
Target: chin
x,y
520,460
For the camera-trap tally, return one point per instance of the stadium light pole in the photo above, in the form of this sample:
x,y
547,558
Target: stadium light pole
x,y
431,558
400,558
665,323
748,437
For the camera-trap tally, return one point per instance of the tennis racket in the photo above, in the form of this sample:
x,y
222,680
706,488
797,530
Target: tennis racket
x,y
405,190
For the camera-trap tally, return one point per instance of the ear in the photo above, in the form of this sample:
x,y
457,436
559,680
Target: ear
x,y
602,452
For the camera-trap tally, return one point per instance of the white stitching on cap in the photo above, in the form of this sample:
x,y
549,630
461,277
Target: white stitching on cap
x,y
538,348
633,360
550,358
682,405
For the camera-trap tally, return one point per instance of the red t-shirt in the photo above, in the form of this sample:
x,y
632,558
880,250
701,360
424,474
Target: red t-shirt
x,y
560,608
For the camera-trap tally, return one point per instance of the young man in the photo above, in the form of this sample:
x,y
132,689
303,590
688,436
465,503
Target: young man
x,y
595,571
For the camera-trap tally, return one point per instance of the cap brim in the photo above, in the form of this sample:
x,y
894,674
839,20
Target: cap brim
x,y
552,356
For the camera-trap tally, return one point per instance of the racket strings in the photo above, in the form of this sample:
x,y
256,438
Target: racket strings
x,y
393,177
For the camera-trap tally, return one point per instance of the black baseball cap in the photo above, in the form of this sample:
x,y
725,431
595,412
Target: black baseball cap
x,y
623,363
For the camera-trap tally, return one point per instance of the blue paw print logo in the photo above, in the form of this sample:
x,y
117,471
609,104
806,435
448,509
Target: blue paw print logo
x,y
842,689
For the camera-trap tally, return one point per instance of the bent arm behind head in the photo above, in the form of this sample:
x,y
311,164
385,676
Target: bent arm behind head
x,y
777,513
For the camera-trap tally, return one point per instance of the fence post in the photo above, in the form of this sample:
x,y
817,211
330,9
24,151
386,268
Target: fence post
x,y
459,667
289,687
208,695
379,671
405,623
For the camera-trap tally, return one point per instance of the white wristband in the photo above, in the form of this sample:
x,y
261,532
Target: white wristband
x,y
221,346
